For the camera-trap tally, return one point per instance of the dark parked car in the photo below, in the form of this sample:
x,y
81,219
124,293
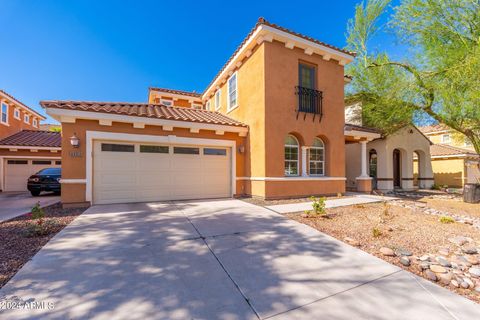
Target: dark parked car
x,y
47,179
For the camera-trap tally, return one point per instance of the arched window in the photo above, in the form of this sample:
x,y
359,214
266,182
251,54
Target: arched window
x,y
291,156
316,159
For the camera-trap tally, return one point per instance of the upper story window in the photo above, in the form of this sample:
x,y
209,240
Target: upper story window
x,y
217,100
197,106
168,103
207,106
232,92
316,159
26,118
4,116
291,156
446,138
16,113
35,122
468,143
306,76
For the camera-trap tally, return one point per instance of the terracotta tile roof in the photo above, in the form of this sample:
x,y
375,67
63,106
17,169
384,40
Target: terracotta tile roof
x,y
438,150
262,21
180,92
349,127
433,128
33,138
156,111
20,103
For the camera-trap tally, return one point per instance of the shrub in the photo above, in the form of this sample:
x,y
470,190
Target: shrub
x,y
376,232
318,205
37,212
446,219
435,187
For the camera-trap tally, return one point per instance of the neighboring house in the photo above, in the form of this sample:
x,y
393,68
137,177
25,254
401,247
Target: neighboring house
x,y
400,160
50,127
24,149
273,128
16,116
454,160
175,98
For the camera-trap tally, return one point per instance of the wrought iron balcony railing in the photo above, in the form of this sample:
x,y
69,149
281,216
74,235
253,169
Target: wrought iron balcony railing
x,y
309,101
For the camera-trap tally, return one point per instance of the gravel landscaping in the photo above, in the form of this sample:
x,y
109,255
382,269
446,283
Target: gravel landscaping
x,y
18,244
446,253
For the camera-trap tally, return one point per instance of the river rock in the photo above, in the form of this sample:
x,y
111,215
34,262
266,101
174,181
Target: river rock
x,y
438,269
460,240
430,275
405,261
474,271
387,252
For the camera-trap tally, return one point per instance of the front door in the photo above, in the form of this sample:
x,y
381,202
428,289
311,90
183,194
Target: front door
x,y
396,169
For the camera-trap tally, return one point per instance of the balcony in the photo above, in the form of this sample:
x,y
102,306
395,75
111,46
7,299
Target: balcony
x,y
309,101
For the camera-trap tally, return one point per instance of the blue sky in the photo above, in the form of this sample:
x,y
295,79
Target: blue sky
x,y
114,50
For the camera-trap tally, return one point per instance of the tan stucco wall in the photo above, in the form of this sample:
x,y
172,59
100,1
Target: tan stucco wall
x,y
456,140
450,172
293,189
75,167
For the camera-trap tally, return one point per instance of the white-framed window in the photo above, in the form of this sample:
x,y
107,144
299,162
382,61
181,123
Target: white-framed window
x,y
26,118
232,86
16,113
35,122
4,113
168,103
217,99
292,149
446,138
207,105
316,158
197,106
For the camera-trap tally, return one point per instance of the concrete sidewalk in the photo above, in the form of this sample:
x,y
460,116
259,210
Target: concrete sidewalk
x,y
13,204
223,259
349,200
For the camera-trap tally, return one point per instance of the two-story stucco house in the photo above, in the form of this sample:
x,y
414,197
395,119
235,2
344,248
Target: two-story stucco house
x,y
270,124
454,160
24,149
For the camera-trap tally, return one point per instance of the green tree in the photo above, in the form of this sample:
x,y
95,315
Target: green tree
x,y
437,76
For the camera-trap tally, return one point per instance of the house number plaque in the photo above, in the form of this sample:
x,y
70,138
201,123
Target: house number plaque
x,y
75,154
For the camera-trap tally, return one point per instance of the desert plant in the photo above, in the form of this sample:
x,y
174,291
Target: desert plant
x,y
37,211
376,232
318,205
435,187
446,219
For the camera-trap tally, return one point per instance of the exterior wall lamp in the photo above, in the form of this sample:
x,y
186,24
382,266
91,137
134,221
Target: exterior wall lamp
x,y
74,141
241,149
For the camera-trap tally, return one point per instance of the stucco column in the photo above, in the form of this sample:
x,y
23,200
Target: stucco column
x,y
304,161
363,155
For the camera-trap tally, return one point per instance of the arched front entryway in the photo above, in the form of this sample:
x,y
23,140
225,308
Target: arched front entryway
x,y
397,169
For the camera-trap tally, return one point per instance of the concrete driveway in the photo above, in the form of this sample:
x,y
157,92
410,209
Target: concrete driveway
x,y
222,259
13,204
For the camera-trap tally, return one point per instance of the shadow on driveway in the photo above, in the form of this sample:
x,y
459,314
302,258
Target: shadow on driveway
x,y
215,260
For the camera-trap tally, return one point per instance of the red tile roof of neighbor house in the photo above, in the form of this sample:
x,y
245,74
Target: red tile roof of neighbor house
x,y
438,150
433,128
350,127
20,103
180,92
156,111
33,138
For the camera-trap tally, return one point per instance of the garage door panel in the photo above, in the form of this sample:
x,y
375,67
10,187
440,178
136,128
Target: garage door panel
x,y
156,175
17,172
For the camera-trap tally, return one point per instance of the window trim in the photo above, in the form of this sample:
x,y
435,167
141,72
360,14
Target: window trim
x,y
218,96
298,156
317,161
6,113
207,105
25,116
35,122
449,138
229,106
162,101
15,111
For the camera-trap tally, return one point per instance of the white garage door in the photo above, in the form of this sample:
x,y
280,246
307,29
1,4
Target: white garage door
x,y
136,172
17,171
